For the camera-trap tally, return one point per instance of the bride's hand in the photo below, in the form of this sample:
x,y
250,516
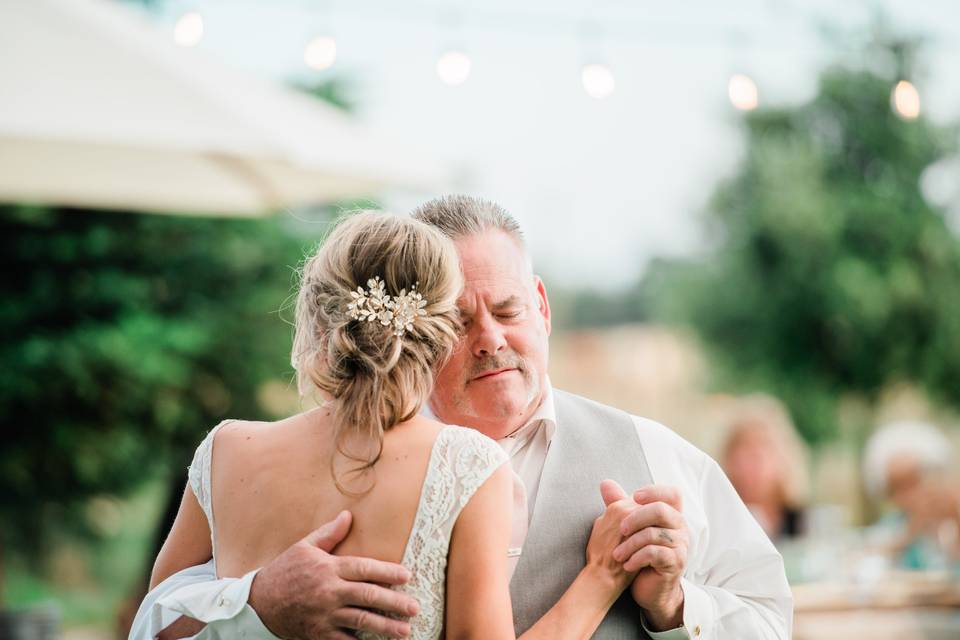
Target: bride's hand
x,y
604,538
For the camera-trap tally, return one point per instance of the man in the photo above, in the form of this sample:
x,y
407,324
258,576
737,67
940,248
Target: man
x,y
705,568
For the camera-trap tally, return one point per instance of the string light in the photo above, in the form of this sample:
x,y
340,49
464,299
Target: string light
x,y
598,80
188,31
453,67
742,91
320,53
906,100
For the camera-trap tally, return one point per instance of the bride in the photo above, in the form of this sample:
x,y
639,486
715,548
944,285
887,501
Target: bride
x,y
376,317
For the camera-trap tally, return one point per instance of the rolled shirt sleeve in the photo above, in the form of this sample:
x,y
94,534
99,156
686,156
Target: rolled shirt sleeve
x,y
680,633
196,592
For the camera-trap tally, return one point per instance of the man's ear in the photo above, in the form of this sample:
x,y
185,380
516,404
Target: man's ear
x,y
543,303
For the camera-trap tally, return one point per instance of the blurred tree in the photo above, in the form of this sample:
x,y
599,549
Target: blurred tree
x,y
123,339
336,90
831,274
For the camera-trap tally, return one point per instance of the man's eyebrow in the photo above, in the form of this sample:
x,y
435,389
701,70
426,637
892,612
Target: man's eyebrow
x,y
512,301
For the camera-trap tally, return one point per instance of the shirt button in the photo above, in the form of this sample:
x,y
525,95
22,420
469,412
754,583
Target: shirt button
x,y
696,631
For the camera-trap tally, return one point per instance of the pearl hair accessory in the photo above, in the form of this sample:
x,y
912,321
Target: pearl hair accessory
x,y
397,312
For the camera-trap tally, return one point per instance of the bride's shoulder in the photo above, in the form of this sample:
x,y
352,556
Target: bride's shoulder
x,y
231,430
241,441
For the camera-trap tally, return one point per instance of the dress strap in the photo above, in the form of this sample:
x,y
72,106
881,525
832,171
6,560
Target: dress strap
x,y
198,475
461,461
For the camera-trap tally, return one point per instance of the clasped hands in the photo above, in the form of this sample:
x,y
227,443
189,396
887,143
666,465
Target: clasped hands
x,y
653,544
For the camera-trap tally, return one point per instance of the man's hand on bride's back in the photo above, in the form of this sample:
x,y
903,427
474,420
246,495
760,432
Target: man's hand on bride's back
x,y
308,594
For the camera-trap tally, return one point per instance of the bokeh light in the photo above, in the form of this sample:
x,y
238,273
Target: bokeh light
x,y
453,67
906,100
598,80
320,53
188,31
743,92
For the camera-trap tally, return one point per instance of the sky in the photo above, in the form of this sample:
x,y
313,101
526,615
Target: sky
x,y
600,186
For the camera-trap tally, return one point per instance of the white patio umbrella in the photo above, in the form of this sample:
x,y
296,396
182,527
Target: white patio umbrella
x,y
99,108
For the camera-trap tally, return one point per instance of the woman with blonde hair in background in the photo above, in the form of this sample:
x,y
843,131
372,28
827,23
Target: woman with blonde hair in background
x,y
766,462
376,317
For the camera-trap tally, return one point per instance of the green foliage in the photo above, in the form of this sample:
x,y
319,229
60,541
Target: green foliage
x,y
123,339
337,91
831,274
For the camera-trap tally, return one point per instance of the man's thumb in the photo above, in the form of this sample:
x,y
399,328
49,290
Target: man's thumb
x,y
611,492
331,534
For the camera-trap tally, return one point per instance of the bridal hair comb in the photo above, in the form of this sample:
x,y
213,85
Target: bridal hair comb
x,y
397,312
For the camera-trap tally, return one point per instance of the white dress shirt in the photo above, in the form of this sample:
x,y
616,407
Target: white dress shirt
x,y
726,543
734,583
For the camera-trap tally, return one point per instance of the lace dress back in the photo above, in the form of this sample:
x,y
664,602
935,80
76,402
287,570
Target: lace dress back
x,y
461,461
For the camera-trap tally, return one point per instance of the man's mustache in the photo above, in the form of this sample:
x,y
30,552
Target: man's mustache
x,y
493,363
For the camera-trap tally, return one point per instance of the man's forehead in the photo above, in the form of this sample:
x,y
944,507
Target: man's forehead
x,y
493,293
491,248
468,301
495,269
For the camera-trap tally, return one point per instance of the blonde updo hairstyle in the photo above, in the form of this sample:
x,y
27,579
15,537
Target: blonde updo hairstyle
x,y
375,378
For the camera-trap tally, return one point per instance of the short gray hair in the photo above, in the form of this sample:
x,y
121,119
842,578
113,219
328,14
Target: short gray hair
x,y
457,216
923,442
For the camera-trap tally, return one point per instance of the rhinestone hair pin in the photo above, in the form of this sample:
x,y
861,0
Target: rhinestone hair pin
x,y
397,312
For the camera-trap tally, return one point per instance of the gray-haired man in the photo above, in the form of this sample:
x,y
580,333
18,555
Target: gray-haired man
x,y
706,570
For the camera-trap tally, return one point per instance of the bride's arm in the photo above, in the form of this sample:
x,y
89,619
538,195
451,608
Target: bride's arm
x,y
584,604
477,590
188,543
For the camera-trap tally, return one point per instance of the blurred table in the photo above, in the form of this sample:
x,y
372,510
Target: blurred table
x,y
903,605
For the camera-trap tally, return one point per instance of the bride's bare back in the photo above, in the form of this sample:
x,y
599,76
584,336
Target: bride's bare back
x,y
257,489
272,485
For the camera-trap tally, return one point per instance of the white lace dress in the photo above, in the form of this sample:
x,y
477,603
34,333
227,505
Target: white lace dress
x,y
461,461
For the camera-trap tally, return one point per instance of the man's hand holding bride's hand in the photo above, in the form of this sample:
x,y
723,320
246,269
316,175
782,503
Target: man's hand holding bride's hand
x,y
655,546
606,535
308,594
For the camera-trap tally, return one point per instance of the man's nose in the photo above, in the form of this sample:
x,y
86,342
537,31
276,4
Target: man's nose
x,y
488,339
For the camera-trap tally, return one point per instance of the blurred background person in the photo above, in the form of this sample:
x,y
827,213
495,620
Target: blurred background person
x,y
911,464
767,463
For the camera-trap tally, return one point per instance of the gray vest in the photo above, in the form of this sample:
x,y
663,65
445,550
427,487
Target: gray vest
x,y
592,442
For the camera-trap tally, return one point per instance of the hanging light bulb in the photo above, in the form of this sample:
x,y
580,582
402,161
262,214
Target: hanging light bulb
x,y
320,53
188,31
742,91
453,67
598,80
906,100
